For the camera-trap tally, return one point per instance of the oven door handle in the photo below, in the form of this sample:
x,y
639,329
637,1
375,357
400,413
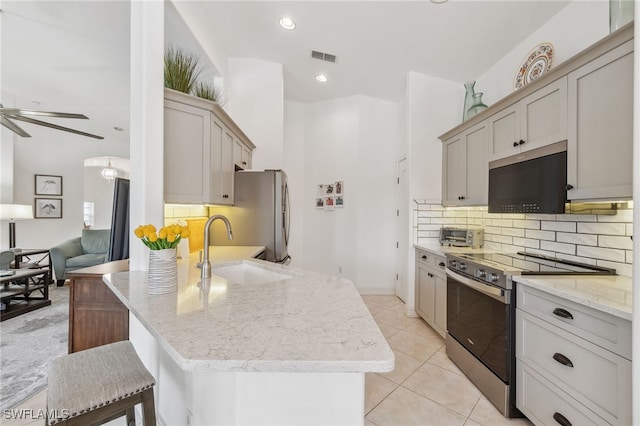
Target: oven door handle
x,y
491,291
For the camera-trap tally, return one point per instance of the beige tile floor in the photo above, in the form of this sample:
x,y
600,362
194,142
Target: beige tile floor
x,y
425,388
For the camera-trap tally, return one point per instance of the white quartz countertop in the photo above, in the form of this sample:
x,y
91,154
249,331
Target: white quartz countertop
x,y
610,294
300,322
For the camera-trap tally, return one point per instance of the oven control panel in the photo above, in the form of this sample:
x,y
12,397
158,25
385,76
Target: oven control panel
x,y
479,272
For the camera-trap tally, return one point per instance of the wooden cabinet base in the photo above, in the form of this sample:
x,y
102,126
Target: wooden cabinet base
x,y
96,316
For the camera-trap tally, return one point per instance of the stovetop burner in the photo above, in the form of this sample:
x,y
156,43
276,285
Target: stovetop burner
x,y
497,268
535,264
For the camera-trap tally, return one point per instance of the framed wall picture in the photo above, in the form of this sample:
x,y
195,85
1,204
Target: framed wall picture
x,y
48,208
48,185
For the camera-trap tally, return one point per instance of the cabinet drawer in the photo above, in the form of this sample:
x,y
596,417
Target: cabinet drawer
x,y
425,257
543,403
592,375
605,330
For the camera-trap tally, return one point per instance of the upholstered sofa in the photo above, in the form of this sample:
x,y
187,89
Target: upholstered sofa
x,y
87,250
6,257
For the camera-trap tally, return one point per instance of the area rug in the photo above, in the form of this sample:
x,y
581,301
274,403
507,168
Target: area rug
x,y
27,343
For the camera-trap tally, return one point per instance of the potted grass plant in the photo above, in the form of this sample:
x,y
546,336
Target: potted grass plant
x,y
207,91
181,69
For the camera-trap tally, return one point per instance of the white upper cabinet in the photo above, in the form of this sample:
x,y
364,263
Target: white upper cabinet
x,y
537,120
465,168
221,169
186,156
199,144
241,155
586,100
600,143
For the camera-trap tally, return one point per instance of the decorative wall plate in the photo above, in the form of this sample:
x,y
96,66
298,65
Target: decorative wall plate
x,y
537,62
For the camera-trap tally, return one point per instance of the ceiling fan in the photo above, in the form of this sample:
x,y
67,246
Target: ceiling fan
x,y
8,115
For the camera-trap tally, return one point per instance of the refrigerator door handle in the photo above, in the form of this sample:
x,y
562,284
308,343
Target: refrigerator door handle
x,y
285,214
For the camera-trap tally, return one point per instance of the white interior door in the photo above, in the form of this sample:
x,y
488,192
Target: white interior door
x,y
402,230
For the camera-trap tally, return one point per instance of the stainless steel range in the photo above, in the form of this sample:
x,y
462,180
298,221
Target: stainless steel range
x,y
481,316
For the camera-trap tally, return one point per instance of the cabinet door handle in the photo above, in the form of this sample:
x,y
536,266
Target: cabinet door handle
x,y
244,163
562,359
430,274
461,197
561,419
515,144
562,313
441,264
568,187
424,257
520,142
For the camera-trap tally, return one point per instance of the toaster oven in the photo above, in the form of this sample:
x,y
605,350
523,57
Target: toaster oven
x,y
462,237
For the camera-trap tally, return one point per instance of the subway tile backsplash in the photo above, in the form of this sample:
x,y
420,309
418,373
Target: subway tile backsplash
x,y
602,240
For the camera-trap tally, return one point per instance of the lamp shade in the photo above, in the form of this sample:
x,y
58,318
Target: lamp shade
x,y
16,211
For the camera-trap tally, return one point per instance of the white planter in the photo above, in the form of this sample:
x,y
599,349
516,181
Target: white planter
x,y
163,271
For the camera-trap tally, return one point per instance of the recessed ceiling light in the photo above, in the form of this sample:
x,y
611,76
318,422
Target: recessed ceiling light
x,y
321,78
439,1
287,23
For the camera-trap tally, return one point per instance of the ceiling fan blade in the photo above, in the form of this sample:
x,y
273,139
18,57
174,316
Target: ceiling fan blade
x,y
53,126
17,111
13,127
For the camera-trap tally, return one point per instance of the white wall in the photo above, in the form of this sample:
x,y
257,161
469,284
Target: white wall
x,y
432,106
6,166
376,196
255,101
352,140
192,14
330,154
574,28
178,35
49,144
293,165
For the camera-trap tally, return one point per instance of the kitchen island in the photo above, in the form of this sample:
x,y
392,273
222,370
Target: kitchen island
x,y
258,343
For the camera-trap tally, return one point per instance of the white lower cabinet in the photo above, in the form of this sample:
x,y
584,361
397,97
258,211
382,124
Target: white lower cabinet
x,y
431,290
546,404
563,377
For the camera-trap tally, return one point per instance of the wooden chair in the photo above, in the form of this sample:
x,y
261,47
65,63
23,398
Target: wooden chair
x,y
97,385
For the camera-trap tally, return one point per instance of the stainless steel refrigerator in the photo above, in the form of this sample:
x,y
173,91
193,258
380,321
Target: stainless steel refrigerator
x,y
259,216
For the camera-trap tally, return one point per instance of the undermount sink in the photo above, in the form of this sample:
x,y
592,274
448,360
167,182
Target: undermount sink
x,y
247,274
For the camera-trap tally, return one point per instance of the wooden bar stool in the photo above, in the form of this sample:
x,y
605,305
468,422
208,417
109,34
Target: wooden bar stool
x,y
97,385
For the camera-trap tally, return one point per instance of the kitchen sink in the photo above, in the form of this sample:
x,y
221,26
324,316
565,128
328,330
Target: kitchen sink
x,y
247,274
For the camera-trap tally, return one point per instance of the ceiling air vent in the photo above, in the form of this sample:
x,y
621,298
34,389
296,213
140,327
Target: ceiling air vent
x,y
323,56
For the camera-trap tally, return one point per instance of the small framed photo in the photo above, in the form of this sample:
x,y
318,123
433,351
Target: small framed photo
x,y
329,203
48,185
339,201
48,208
320,191
329,189
339,187
319,203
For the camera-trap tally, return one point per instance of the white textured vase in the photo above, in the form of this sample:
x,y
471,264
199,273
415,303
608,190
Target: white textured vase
x,y
163,271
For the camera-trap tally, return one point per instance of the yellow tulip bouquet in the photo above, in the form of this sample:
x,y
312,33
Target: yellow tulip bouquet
x,y
168,237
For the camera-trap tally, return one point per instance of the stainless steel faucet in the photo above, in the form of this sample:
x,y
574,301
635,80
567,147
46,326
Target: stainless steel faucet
x,y
205,265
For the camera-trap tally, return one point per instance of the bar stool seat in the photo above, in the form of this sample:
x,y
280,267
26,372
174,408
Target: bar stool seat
x,y
97,385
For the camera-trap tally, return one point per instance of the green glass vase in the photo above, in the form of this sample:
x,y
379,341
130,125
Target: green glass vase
x,y
476,106
468,98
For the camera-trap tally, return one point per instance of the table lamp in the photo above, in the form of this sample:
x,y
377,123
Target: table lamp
x,y
13,212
